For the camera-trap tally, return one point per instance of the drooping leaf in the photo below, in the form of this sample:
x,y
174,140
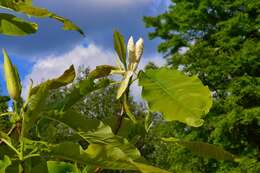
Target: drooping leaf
x,y
42,12
66,78
27,8
120,47
14,26
111,157
4,164
91,130
104,154
88,85
144,168
176,96
74,153
204,149
101,71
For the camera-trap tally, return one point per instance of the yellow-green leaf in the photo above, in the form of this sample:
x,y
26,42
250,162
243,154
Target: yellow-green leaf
x,y
120,47
12,78
27,8
176,96
13,26
66,78
204,149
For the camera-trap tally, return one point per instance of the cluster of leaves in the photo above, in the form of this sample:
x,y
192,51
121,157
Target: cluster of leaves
x,y
91,144
14,26
221,39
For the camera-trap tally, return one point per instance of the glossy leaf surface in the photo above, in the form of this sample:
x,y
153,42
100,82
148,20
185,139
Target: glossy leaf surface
x,y
177,96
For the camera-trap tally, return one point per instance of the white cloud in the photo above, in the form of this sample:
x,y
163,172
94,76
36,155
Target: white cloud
x,y
52,66
90,56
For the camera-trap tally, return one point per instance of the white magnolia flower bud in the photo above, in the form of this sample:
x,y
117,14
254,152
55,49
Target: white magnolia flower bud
x,y
139,49
131,51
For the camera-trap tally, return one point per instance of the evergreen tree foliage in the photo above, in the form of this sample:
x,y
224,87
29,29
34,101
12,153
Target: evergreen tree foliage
x,y
219,41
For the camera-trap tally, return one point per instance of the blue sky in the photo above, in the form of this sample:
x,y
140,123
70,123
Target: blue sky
x,y
51,50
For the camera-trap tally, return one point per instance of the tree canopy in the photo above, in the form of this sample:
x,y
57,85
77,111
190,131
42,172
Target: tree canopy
x,y
217,40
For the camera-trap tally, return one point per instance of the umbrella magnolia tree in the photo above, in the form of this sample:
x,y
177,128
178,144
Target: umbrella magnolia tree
x,y
92,145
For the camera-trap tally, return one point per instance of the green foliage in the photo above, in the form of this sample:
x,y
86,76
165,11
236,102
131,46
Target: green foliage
x,y
203,149
92,142
179,97
13,26
61,167
222,45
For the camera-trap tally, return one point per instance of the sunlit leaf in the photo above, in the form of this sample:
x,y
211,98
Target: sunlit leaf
x,y
120,47
27,8
12,78
14,26
66,78
204,149
176,96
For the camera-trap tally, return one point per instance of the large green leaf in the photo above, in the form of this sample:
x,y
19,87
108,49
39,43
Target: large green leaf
x,y
74,153
93,131
120,47
103,156
176,96
204,149
4,164
106,150
13,26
